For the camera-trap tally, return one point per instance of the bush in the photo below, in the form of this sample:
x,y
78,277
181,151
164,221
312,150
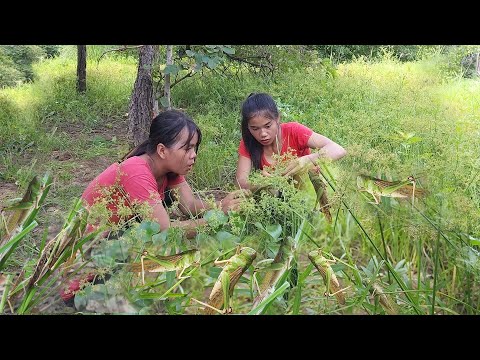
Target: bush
x,y
22,57
9,76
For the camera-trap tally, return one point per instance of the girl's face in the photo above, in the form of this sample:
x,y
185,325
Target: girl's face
x,y
182,155
263,129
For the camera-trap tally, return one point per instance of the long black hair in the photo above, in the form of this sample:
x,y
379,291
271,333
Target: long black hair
x,y
256,104
165,129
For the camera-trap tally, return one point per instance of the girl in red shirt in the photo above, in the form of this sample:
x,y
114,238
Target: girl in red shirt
x,y
160,162
263,136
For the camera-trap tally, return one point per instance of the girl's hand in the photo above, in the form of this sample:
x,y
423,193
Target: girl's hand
x,y
233,200
300,164
266,173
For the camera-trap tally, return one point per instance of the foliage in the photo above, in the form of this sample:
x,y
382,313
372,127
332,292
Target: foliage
x,y
20,58
395,118
343,53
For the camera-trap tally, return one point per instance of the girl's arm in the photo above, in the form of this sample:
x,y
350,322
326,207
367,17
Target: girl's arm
x,y
244,166
161,216
327,147
192,205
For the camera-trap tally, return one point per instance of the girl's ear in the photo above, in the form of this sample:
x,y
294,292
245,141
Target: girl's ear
x,y
161,151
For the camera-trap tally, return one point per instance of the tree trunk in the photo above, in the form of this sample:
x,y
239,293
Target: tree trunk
x,y
155,96
477,67
167,77
140,110
81,68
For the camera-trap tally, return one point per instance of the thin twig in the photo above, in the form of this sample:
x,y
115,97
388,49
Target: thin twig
x,y
118,49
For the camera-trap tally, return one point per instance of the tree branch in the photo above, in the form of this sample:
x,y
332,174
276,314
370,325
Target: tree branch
x,y
125,47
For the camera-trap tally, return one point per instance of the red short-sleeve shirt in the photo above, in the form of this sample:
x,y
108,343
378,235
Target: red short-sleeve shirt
x,y
136,180
294,138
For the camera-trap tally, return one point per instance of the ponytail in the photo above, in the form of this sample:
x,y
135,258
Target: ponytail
x,y
137,150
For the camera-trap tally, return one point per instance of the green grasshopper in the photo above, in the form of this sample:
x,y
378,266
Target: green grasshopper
x,y
275,270
384,300
157,264
321,191
24,211
323,266
268,188
228,278
397,189
22,207
64,241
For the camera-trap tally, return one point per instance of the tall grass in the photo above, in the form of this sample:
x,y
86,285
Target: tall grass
x,y
395,119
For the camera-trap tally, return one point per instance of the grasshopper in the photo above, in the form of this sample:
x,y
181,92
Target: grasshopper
x,y
72,230
397,189
384,300
178,262
24,211
270,189
323,266
278,267
22,207
321,191
228,278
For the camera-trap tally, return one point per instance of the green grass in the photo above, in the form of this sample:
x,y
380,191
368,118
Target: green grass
x,y
395,119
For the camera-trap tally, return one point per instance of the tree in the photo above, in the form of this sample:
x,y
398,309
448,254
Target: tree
x,y
167,78
81,68
140,110
185,62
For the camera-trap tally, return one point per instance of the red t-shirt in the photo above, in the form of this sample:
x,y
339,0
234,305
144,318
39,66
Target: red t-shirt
x,y
136,181
294,138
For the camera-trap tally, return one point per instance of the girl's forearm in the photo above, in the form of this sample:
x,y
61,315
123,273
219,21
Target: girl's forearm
x,y
190,226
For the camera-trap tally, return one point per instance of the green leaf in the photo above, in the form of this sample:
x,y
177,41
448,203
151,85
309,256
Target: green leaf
x,y
215,218
213,62
474,242
110,252
414,140
164,101
214,271
170,277
150,227
228,50
274,231
160,238
191,53
226,239
171,69
198,58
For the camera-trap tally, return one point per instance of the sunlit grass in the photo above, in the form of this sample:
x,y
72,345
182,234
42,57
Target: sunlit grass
x,y
395,120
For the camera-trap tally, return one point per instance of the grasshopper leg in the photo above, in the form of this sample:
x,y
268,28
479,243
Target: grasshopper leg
x,y
221,262
179,275
143,267
209,306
